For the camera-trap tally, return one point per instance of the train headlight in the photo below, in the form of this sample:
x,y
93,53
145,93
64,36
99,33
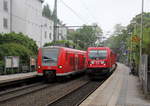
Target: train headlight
x,y
92,62
102,62
39,67
60,66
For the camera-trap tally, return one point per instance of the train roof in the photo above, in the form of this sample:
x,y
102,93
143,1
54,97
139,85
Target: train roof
x,y
90,48
65,48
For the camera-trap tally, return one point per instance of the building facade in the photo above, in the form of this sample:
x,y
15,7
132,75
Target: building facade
x,y
47,31
5,16
25,16
61,32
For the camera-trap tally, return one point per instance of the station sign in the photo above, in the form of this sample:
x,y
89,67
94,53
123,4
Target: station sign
x,y
11,61
135,38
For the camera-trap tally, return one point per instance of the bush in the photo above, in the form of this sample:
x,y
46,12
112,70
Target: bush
x,y
19,39
14,49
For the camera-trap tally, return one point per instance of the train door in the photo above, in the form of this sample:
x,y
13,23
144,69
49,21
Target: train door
x,y
72,61
80,61
76,62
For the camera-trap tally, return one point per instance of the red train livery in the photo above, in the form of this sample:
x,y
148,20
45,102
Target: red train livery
x,y
101,60
56,61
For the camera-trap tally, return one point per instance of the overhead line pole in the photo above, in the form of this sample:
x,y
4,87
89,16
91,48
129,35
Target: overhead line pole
x,y
141,34
55,21
76,26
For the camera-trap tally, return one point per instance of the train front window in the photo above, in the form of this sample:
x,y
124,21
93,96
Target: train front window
x,y
97,54
49,56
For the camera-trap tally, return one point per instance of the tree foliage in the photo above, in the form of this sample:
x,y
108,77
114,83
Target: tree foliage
x,y
12,44
122,41
47,12
85,36
13,49
19,39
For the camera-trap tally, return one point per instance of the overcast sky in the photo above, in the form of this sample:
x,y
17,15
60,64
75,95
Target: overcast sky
x,y
106,13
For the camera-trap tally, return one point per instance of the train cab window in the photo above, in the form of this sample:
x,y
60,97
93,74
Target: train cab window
x,y
97,54
50,56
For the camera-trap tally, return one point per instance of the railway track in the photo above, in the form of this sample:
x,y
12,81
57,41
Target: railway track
x,y
21,91
40,94
76,96
69,93
18,83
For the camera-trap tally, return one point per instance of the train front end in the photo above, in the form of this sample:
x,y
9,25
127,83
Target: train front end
x,y
98,61
48,62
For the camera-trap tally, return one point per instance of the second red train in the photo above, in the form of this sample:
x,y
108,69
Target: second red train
x,y
101,61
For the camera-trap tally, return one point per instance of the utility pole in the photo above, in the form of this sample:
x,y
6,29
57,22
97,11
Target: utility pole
x,y
55,21
141,35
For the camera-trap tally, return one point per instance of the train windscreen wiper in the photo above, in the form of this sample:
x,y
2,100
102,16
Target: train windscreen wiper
x,y
48,58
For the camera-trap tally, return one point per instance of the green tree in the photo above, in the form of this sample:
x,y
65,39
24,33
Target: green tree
x,y
13,44
85,36
47,12
19,39
117,41
123,38
14,49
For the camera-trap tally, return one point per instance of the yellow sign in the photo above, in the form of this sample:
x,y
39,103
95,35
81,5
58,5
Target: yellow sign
x,y
135,39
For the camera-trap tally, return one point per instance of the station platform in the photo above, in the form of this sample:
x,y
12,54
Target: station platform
x,y
15,77
120,89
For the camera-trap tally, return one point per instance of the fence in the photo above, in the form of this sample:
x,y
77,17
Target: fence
x,y
13,65
144,73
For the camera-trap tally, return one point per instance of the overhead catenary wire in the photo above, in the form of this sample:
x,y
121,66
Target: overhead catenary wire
x,y
87,9
73,11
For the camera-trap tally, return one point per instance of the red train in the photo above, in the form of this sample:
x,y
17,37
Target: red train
x,y
57,61
101,61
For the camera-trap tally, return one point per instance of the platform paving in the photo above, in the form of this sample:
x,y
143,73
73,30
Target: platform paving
x,y
121,89
14,77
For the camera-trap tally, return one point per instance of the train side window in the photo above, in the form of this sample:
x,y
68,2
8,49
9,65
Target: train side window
x,y
66,56
84,59
71,59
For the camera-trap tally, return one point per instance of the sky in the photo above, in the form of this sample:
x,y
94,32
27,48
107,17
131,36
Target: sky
x,y
106,13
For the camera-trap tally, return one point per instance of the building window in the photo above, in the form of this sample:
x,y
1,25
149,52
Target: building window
x,y
50,36
45,34
5,5
50,27
5,23
45,25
